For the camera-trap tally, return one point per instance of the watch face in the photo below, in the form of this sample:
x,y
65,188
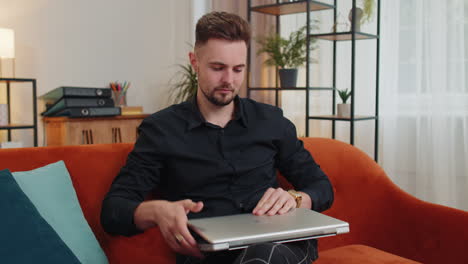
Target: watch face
x,y
297,196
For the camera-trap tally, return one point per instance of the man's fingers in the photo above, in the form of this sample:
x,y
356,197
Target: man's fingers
x,y
287,207
187,243
265,198
197,207
270,202
183,247
191,206
173,225
280,202
187,203
181,241
184,233
172,240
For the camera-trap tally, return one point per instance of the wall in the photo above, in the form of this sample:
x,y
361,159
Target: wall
x,y
90,43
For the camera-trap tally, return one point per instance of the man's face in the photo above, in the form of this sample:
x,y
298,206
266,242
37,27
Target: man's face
x,y
220,65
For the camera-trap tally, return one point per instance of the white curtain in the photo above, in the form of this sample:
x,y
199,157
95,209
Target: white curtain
x,y
424,98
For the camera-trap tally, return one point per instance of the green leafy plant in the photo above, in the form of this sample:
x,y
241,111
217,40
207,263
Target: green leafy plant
x,y
344,95
368,7
184,84
287,53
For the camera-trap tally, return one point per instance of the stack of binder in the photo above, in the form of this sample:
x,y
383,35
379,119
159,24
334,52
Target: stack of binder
x,y
80,102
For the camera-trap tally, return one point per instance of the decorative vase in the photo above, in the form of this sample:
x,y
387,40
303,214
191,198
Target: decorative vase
x,y
288,78
344,110
359,13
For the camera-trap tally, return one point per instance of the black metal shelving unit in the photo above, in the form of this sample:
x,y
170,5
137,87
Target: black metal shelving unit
x,y
14,126
278,9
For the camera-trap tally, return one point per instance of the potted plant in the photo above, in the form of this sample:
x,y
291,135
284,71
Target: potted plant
x,y
287,54
184,84
344,109
363,15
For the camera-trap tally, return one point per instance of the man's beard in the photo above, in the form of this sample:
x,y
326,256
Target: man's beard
x,y
220,100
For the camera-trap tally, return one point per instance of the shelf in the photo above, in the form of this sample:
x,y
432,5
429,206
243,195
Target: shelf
x,y
343,36
92,118
16,80
291,89
287,8
277,89
322,88
13,126
17,126
300,7
335,117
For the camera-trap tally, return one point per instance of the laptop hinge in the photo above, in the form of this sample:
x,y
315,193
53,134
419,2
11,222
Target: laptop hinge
x,y
341,230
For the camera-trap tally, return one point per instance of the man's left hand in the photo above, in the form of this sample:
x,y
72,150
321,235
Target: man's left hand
x,y
274,201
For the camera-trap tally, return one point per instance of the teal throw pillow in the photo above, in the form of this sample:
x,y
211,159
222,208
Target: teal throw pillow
x,y
50,189
25,236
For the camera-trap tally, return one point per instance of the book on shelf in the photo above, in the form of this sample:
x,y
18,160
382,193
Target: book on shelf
x,y
89,111
66,102
70,91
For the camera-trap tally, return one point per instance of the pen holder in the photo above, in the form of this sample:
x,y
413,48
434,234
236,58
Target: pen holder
x,y
120,98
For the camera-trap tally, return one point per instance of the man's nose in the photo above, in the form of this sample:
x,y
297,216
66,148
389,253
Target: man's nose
x,y
228,76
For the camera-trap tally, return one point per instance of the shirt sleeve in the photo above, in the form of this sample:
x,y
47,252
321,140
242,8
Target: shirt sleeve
x,y
300,169
139,176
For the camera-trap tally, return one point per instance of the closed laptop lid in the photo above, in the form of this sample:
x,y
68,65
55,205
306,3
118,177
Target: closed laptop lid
x,y
244,229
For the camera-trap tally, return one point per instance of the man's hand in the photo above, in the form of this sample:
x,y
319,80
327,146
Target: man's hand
x,y
171,217
274,201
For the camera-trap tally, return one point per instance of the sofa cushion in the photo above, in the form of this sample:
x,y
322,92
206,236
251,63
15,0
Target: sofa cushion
x,y
25,236
50,189
359,254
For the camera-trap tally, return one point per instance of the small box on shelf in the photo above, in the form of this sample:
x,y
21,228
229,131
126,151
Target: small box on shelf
x,y
131,110
4,115
11,144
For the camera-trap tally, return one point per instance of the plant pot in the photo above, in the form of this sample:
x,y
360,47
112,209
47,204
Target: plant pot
x,y
344,110
288,78
359,13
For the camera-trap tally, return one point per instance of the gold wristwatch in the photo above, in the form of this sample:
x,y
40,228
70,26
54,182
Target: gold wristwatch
x,y
297,196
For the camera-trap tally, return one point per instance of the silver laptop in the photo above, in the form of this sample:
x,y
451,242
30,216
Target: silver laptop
x,y
239,231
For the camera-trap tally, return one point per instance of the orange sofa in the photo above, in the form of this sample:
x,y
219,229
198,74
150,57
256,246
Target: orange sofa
x,y
387,224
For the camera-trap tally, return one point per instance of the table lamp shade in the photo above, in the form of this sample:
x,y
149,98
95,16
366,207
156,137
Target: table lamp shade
x,y
7,43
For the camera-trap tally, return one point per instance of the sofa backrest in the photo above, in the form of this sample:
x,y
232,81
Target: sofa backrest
x,y
93,168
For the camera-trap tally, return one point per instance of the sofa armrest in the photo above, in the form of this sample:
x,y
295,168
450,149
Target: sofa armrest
x,y
383,216
418,230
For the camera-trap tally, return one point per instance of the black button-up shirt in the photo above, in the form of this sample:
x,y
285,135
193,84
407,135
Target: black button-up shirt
x,y
182,156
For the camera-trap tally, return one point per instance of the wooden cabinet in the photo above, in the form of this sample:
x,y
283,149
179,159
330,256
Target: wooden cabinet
x,y
98,130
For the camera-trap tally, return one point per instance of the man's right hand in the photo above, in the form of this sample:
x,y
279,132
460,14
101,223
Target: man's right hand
x,y
171,217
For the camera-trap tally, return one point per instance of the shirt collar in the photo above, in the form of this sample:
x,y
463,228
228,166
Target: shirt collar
x,y
196,119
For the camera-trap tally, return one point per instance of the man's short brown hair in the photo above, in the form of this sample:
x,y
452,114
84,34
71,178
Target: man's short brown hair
x,y
221,25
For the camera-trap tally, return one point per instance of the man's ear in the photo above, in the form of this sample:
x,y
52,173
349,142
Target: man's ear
x,y
193,61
